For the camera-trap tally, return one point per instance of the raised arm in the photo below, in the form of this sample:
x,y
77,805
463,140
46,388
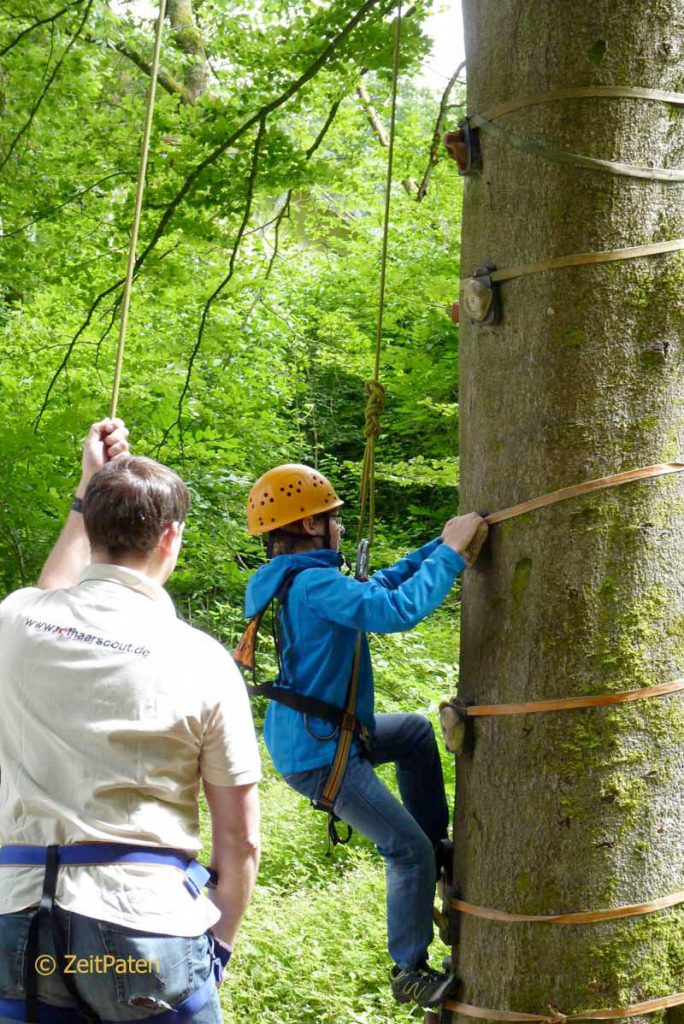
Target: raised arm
x,y
402,570
106,440
375,609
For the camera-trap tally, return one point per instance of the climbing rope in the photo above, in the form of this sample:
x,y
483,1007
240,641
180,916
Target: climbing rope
x,y
375,402
375,393
135,227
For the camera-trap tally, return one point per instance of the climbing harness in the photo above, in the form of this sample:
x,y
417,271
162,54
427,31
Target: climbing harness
x,y
328,795
280,690
140,191
343,720
52,858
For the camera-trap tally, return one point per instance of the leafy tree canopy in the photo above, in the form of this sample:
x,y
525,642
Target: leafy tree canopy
x,y
255,301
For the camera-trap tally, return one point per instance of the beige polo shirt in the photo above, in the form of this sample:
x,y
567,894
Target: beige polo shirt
x,y
111,709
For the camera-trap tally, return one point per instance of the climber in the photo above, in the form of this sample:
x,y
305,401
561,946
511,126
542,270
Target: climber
x,y
321,612
113,712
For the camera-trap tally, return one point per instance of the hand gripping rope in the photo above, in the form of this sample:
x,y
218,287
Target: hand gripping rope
x,y
454,716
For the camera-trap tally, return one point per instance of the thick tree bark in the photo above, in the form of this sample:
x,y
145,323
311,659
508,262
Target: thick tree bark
x,y
189,40
584,377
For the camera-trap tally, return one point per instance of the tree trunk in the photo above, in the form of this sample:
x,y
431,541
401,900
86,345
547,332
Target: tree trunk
x,y
583,377
189,40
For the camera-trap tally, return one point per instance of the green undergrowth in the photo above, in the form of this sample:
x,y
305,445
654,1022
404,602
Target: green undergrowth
x,y
312,949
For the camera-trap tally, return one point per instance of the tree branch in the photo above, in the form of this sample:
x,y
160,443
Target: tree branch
x,y
21,564
36,24
42,215
168,82
436,146
70,349
376,124
372,115
48,83
222,285
190,181
285,212
262,113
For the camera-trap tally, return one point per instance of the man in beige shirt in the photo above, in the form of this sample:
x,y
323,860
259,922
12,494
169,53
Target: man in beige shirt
x,y
112,711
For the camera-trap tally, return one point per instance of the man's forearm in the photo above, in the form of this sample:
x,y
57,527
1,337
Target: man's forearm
x,y
69,556
105,442
237,871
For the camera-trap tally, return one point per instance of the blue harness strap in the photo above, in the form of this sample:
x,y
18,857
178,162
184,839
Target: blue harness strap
x,y
94,854
52,858
15,1009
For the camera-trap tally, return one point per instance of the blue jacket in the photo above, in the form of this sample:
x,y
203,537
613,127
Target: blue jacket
x,y
320,619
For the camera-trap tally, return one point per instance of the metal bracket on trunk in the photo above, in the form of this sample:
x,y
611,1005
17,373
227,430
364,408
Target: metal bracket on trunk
x,y
457,727
464,147
447,919
480,296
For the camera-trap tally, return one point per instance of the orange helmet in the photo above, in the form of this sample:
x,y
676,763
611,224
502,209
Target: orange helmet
x,y
286,494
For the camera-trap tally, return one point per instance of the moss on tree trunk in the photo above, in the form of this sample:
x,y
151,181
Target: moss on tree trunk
x,y
583,377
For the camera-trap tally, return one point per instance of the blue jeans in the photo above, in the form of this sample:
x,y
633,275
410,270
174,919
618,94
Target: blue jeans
x,y
178,966
405,833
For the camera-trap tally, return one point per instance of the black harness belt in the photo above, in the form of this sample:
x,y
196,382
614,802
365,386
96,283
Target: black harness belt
x,y
341,718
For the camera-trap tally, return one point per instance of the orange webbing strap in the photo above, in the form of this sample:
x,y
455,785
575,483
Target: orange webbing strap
x,y
577,490
328,796
584,92
556,1017
585,917
566,703
245,652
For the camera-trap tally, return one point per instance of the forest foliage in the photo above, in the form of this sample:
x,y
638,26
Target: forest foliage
x,y
251,333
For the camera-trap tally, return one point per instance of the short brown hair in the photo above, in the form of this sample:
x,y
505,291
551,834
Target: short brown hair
x,y
293,538
130,502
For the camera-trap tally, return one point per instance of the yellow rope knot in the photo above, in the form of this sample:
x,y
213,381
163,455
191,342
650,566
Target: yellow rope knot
x,y
375,403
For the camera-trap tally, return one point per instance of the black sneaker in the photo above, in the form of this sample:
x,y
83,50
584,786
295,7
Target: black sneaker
x,y
421,985
444,860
